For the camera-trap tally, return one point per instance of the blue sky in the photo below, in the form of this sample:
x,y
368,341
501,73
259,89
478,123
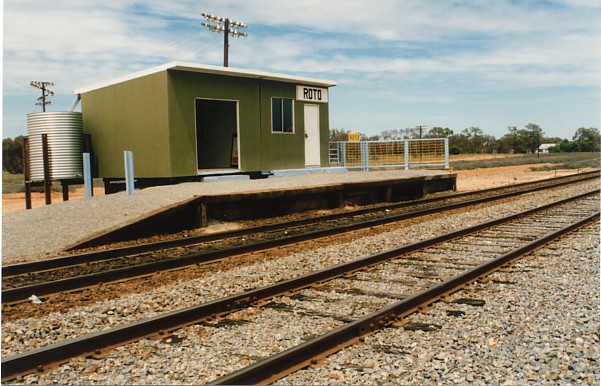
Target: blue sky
x,y
398,64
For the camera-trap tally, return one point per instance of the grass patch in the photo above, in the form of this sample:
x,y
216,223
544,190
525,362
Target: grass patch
x,y
15,183
558,161
12,183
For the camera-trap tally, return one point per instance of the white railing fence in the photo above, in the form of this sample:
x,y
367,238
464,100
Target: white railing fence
x,y
407,153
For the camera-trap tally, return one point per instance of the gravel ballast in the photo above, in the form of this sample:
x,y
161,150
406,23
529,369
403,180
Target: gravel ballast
x,y
131,307
540,324
121,366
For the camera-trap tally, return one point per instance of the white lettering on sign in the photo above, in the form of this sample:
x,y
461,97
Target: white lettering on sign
x,y
312,94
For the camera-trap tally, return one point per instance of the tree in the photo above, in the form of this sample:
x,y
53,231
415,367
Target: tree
x,y
587,139
459,143
512,138
475,137
488,144
339,135
522,141
470,140
454,150
564,146
526,140
439,132
391,135
504,144
409,133
12,155
533,136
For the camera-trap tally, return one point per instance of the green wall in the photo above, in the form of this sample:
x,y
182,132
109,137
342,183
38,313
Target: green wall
x,y
324,133
184,89
281,150
130,116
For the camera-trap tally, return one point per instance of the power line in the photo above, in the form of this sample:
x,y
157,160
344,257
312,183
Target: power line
x,y
169,49
226,29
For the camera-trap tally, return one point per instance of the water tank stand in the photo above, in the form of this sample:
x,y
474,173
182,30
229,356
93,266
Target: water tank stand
x,y
47,182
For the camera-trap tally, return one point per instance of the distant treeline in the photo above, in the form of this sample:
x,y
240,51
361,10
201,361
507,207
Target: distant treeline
x,y
12,155
474,140
469,140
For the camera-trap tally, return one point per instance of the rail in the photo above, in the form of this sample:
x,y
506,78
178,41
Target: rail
x,y
95,343
43,289
276,367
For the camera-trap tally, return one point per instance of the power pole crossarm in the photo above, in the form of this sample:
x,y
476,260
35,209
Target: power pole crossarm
x,y
227,30
45,93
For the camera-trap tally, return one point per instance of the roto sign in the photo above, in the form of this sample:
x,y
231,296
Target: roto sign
x,y
312,94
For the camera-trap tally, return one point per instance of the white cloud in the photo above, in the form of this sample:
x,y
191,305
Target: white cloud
x,y
484,45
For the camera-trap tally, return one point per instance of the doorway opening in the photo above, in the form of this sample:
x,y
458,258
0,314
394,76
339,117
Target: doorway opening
x,y
217,134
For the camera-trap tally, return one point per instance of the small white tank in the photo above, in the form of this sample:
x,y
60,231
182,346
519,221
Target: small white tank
x,y
65,132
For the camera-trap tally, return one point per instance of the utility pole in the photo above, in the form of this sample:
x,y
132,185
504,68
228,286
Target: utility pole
x,y
45,93
226,29
421,144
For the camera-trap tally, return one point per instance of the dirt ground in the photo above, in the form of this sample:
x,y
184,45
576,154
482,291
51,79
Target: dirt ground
x,y
16,201
506,175
466,180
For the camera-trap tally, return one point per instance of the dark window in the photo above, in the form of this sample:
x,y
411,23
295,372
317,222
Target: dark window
x,y
281,114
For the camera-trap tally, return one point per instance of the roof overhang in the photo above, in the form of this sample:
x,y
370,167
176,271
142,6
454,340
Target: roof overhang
x,y
207,69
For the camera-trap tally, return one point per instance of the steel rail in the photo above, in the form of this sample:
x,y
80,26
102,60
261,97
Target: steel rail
x,y
278,366
94,343
89,257
19,294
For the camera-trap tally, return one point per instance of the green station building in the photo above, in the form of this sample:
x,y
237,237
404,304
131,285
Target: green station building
x,y
183,121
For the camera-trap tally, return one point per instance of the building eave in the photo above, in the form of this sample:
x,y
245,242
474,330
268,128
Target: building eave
x,y
208,69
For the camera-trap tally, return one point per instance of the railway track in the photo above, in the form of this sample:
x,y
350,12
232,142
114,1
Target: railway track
x,y
360,297
75,272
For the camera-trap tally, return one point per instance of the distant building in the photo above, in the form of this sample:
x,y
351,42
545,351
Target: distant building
x,y
544,148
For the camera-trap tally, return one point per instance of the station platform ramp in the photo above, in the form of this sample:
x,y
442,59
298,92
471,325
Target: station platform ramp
x,y
45,231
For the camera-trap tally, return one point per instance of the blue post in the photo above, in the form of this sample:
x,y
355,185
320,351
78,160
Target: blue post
x,y
365,155
87,176
129,172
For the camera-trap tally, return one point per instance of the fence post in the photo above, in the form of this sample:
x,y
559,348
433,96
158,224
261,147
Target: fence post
x,y
365,155
343,152
406,154
446,153
129,172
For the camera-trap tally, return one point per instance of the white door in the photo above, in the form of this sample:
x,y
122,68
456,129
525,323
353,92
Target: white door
x,y
312,135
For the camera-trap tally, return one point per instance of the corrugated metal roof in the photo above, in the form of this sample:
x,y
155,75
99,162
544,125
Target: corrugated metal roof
x,y
207,69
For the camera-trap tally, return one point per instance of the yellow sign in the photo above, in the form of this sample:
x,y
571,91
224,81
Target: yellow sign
x,y
354,137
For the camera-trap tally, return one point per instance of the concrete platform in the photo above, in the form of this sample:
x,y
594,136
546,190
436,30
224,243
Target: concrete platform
x,y
45,231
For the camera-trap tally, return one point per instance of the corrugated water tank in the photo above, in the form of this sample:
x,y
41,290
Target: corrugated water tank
x,y
65,131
